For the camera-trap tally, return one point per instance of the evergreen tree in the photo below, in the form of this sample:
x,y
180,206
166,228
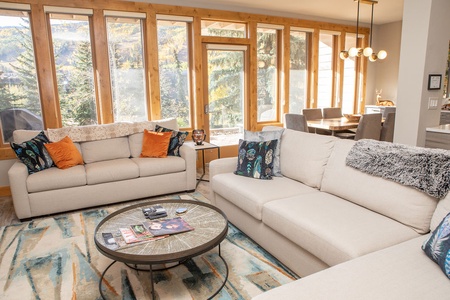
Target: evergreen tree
x,y
82,86
26,70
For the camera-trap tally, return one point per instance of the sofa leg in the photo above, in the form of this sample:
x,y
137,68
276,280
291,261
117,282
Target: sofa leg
x,y
190,191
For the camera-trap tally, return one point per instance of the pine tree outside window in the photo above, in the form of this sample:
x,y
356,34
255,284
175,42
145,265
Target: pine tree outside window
x,y
20,106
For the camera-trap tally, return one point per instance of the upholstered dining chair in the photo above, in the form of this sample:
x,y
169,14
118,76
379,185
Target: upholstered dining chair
x,y
331,112
296,122
369,127
387,110
387,130
312,113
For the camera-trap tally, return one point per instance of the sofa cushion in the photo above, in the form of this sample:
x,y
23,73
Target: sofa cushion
x,y
159,166
55,179
111,170
402,203
64,153
250,195
333,229
437,247
255,159
303,156
101,150
135,143
268,133
442,209
155,144
33,154
399,272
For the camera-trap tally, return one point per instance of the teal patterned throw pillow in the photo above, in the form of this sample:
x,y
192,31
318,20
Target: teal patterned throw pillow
x,y
33,153
437,247
176,140
255,159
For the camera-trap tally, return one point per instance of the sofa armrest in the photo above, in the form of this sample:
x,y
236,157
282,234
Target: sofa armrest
x,y
220,166
190,156
18,175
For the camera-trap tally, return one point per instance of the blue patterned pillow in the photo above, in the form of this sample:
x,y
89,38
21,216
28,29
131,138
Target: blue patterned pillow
x,y
437,247
255,159
176,140
33,153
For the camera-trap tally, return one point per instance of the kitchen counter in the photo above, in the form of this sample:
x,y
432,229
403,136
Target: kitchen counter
x,y
438,137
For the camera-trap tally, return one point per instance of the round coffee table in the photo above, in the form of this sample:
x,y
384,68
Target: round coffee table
x,y
210,228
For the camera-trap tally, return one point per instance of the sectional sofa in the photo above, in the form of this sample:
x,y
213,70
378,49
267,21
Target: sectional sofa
x,y
348,234
112,170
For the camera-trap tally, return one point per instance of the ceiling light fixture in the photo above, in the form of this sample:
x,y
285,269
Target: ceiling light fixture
x,y
368,51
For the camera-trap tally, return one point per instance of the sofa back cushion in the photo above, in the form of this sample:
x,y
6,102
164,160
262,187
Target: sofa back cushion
x,y
442,209
303,156
105,149
399,202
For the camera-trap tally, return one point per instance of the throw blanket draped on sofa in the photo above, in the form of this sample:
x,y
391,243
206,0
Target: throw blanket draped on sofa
x,y
427,170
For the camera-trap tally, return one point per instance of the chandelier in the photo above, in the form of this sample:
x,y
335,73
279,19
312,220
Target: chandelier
x,y
368,51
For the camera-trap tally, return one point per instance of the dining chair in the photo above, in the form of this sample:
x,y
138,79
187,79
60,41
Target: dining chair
x,y
369,127
296,122
387,110
331,112
387,130
312,113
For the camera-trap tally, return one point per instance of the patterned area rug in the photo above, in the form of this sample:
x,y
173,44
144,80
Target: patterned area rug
x,y
56,258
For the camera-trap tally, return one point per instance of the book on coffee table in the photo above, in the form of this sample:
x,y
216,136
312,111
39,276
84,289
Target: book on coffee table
x,y
167,226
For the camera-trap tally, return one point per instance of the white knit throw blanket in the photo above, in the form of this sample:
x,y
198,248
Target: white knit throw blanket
x,y
427,170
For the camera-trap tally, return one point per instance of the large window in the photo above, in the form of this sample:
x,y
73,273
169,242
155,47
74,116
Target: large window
x,y
173,56
298,72
326,70
348,92
126,62
74,71
267,80
223,29
20,106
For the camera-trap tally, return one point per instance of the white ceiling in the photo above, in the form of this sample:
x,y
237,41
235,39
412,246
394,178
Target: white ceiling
x,y
343,11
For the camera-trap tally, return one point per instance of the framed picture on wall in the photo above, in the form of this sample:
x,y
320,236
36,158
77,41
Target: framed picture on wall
x,y
434,81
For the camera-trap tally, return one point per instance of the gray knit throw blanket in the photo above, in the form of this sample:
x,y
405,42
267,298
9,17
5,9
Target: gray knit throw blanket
x,y
427,170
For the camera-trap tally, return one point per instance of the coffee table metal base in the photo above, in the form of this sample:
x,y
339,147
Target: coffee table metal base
x,y
150,270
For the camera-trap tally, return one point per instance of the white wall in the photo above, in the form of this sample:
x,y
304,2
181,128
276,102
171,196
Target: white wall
x,y
424,50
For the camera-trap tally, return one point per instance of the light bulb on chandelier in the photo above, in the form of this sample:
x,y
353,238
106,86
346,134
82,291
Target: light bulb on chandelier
x,y
368,51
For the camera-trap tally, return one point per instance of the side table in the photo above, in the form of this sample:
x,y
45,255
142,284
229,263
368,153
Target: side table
x,y
202,148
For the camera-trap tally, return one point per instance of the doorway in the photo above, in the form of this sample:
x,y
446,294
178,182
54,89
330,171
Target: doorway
x,y
225,92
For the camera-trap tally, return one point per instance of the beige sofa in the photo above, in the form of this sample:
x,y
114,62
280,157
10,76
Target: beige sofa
x,y
324,214
112,171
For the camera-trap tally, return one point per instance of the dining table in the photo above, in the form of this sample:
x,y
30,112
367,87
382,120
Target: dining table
x,y
333,124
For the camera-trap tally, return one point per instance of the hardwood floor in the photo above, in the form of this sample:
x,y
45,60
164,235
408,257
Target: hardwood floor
x,y
8,216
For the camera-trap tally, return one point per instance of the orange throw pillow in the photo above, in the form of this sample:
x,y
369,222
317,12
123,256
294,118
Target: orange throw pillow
x,y
155,144
64,153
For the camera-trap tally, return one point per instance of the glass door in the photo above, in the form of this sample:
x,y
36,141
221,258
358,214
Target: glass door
x,y
226,92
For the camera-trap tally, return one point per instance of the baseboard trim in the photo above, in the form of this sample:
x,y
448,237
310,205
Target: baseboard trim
x,y
5,191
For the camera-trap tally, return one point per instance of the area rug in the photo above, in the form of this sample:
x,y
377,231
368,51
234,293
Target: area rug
x,y
56,258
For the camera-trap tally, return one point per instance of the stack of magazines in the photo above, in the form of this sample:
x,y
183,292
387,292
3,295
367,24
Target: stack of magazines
x,y
145,232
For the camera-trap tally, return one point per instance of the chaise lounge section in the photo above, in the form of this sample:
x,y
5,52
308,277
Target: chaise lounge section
x,y
337,223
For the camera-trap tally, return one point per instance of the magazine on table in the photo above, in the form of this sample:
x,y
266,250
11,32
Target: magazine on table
x,y
126,237
167,226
